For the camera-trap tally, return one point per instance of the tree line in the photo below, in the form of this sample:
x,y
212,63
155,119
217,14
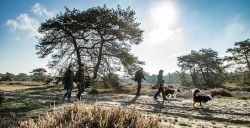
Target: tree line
x,y
38,75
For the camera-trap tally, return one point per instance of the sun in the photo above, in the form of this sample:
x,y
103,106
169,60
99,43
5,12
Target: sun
x,y
164,14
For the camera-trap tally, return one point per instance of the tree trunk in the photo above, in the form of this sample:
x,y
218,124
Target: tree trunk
x,y
79,62
203,75
248,63
99,59
193,76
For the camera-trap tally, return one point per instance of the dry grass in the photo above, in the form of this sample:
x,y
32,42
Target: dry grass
x,y
21,83
79,116
237,87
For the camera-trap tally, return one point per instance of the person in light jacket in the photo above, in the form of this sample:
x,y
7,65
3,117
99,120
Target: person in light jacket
x,y
160,82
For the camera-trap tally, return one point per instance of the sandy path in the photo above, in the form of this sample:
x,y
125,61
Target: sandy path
x,y
221,112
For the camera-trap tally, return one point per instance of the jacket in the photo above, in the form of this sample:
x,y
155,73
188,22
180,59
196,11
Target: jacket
x,y
139,76
68,80
160,79
80,76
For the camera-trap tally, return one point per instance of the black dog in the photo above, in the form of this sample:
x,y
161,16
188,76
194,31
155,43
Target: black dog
x,y
200,98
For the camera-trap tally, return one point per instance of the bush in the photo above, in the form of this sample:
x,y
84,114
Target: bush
x,y
93,91
78,116
111,81
221,92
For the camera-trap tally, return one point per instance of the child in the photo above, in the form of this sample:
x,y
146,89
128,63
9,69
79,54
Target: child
x,y
160,82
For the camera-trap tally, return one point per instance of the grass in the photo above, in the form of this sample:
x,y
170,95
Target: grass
x,y
29,102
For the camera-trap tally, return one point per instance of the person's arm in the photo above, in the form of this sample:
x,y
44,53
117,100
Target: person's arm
x,y
76,76
65,77
143,76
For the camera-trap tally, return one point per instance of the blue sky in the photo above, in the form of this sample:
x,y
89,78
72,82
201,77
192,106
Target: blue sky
x,y
172,28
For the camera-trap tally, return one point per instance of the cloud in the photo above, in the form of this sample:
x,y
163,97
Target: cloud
x,y
41,11
24,23
29,24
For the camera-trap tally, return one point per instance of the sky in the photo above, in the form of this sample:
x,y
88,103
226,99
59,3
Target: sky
x,y
172,28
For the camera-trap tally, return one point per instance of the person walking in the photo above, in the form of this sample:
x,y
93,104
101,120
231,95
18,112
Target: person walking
x,y
138,78
68,82
160,82
80,79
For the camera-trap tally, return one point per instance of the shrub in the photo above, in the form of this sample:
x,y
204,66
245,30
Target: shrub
x,y
221,92
111,81
93,91
78,116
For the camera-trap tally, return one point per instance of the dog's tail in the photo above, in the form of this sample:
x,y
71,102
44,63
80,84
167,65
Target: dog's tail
x,y
194,91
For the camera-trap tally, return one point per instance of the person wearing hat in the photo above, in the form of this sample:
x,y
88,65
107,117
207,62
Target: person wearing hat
x,y
80,79
160,82
138,78
68,82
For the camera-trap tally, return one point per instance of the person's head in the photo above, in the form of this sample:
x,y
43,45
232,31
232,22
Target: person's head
x,y
71,67
82,66
141,69
161,72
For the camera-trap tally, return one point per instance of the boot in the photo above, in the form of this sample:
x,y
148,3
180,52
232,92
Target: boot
x,y
63,97
155,97
69,100
164,97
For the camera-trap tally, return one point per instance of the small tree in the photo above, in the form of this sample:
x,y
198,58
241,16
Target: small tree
x,y
8,77
240,53
38,75
21,77
204,65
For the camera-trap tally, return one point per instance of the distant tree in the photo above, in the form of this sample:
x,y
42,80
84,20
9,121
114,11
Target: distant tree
x,y
99,37
8,77
170,79
185,79
151,78
38,75
240,53
204,63
21,77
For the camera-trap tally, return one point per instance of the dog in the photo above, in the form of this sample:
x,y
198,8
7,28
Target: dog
x,y
200,98
171,92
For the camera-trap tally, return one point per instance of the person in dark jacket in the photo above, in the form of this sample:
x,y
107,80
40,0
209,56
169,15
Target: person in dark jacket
x,y
138,78
68,82
160,82
80,79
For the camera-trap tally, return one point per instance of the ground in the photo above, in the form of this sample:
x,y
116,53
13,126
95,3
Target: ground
x,y
24,102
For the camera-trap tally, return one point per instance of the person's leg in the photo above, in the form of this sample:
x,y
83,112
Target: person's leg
x,y
69,94
79,90
83,87
158,92
138,88
64,96
162,92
